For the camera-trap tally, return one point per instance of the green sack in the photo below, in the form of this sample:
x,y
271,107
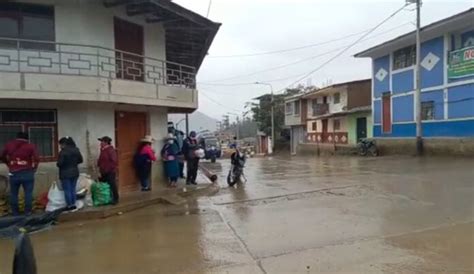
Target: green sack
x,y
101,194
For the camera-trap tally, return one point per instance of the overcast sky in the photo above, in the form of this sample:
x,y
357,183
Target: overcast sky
x,y
256,26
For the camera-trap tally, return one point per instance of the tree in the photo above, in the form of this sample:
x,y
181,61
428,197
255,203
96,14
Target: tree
x,y
262,111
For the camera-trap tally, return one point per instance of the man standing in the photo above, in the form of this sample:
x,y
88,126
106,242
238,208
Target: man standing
x,y
107,164
192,161
22,160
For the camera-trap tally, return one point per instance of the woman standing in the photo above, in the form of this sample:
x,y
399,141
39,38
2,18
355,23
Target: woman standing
x,y
143,159
170,153
68,161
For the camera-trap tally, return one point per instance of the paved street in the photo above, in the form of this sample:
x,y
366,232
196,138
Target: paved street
x,y
294,215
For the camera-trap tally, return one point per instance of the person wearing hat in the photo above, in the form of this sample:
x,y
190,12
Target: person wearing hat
x,y
144,157
190,147
170,153
107,164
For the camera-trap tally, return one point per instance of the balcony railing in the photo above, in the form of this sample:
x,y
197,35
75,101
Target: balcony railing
x,y
320,109
30,56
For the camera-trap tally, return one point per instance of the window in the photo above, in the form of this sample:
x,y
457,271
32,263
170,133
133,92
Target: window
x,y
289,108
404,58
427,110
41,126
337,124
337,98
29,22
297,108
314,126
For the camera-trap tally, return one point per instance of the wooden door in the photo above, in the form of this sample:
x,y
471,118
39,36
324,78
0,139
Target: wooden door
x,y
386,114
130,48
361,128
130,127
324,134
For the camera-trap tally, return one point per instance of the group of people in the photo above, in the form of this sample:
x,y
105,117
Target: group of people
x,y
175,153
22,160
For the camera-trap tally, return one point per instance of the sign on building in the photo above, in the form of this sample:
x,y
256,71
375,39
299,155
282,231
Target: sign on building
x,y
461,63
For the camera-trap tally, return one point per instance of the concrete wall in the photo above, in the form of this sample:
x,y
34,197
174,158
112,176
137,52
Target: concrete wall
x,y
432,146
76,118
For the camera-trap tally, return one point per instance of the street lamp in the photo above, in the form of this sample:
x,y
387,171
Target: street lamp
x,y
272,112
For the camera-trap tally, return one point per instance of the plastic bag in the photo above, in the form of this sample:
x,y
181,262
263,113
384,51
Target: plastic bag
x,y
84,182
101,194
56,198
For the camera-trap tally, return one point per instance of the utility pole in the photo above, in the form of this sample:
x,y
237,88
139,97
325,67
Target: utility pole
x,y
419,130
187,124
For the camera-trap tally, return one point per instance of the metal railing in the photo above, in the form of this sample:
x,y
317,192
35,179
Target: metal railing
x,y
31,56
320,109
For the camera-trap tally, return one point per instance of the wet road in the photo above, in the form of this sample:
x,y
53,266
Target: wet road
x,y
299,215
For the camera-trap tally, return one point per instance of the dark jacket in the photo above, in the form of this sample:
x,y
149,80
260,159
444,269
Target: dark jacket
x,y
20,155
107,160
189,148
68,162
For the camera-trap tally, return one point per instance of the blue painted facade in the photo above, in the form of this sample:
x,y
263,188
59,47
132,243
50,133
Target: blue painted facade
x,y
452,99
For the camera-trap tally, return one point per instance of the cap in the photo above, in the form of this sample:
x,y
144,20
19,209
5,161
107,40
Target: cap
x,y
106,139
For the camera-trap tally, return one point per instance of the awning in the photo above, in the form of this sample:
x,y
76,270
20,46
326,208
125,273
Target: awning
x,y
188,34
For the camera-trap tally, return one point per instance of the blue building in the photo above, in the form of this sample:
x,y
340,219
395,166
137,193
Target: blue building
x,y
447,81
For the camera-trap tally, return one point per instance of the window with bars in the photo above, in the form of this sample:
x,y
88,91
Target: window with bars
x,y
297,108
41,126
314,126
337,98
289,108
427,110
405,57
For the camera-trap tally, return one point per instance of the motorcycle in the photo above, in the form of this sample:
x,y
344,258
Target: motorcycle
x,y
236,172
367,147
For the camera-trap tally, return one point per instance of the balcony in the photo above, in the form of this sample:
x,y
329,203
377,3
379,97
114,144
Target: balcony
x,y
60,71
320,109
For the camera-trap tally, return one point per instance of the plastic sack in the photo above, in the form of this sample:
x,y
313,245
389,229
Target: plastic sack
x,y
56,198
84,182
101,194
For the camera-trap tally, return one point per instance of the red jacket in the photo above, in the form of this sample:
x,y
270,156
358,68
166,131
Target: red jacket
x,y
107,161
20,155
148,150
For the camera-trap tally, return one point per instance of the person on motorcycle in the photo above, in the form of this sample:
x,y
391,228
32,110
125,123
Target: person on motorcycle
x,y
237,160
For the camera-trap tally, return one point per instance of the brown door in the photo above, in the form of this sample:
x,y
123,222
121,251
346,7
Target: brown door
x,y
324,134
387,114
129,46
130,128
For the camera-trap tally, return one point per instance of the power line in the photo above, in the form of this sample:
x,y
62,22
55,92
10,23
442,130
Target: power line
x,y
218,103
345,49
292,63
295,48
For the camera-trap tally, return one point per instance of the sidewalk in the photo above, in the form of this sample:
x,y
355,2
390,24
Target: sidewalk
x,y
136,200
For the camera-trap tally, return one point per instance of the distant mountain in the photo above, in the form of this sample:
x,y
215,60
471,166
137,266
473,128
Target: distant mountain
x,y
198,121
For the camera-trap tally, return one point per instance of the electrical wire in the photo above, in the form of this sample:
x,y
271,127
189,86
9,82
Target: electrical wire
x,y
290,64
296,48
345,49
218,103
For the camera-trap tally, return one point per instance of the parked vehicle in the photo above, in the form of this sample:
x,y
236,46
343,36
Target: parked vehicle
x,y
211,146
367,147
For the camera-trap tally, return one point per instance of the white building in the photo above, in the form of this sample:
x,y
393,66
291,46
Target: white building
x,y
88,68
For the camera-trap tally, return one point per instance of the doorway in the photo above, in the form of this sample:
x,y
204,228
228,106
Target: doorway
x,y
130,127
324,134
361,128
386,113
129,45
